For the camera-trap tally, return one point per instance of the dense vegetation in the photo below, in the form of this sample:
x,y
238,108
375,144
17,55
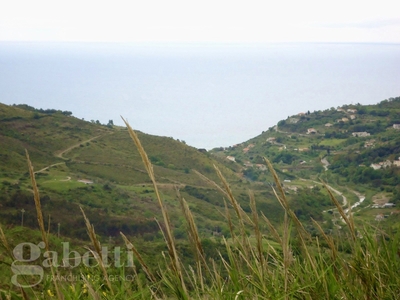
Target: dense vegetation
x,y
202,225
289,264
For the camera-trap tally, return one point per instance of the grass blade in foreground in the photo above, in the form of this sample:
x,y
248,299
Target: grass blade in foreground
x,y
40,219
169,237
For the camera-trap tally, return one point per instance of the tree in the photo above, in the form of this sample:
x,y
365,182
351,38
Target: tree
x,y
110,123
67,113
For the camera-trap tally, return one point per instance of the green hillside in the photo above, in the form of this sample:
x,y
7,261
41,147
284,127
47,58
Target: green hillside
x,y
354,148
98,167
255,237
80,163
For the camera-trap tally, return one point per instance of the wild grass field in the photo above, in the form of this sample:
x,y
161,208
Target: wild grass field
x,y
258,261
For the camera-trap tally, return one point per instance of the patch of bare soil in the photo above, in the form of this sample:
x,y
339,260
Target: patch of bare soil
x,y
380,199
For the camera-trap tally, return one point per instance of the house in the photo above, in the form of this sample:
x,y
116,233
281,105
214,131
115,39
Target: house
x,y
379,217
345,120
311,131
386,164
382,164
328,125
245,150
340,109
361,134
375,166
261,167
396,126
271,139
353,111
369,143
353,117
231,158
396,163
248,164
301,114
388,205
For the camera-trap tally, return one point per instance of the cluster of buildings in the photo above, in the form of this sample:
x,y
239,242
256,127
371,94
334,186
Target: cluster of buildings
x,y
385,164
361,134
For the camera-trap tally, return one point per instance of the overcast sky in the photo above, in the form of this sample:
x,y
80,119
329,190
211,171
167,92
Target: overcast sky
x,y
200,21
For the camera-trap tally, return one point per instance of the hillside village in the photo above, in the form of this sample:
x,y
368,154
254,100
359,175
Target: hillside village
x,y
309,146
313,131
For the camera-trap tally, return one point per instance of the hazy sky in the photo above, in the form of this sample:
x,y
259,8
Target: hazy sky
x,y
200,21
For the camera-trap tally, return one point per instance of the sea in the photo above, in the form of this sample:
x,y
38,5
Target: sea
x,y
207,95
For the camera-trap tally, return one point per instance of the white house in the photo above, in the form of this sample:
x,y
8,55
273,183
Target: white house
x,y
375,166
311,131
361,134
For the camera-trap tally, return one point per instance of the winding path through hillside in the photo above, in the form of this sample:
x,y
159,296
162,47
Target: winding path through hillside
x,y
338,193
331,188
45,168
360,196
361,199
62,152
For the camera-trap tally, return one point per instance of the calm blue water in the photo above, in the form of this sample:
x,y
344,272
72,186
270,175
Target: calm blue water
x,y
207,95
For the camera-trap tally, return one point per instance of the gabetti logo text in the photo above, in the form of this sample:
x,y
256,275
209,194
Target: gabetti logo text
x,y
31,261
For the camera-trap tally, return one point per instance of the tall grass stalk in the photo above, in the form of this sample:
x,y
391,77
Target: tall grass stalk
x,y
169,236
146,269
5,244
39,214
195,241
349,221
97,253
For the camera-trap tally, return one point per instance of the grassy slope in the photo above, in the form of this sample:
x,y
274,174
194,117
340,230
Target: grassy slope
x,y
295,266
121,196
